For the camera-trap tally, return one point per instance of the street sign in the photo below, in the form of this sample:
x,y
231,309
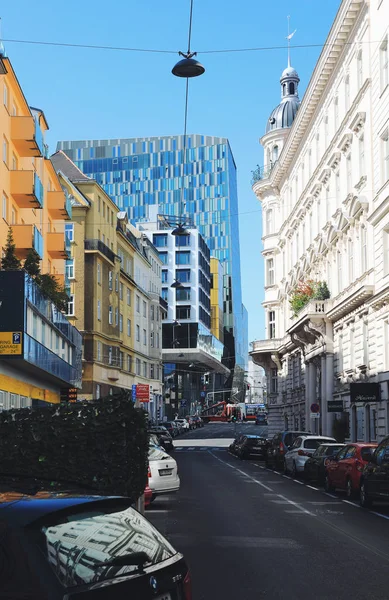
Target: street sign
x,y
365,392
315,415
143,392
183,402
11,342
315,408
68,395
203,394
335,406
133,391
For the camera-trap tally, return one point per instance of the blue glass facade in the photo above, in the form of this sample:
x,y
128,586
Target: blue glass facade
x,y
142,172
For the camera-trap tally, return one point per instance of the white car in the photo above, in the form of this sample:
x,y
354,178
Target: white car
x,y
183,424
302,448
163,473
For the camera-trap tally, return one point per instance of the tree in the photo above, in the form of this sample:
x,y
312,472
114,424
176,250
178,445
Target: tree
x,y
10,261
32,264
52,290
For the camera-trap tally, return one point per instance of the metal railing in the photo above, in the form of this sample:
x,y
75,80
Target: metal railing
x,y
101,247
262,172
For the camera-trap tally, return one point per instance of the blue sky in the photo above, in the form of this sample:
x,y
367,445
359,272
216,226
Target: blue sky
x,y
89,93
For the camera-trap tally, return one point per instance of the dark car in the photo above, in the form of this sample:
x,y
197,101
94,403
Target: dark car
x,y
261,419
374,481
314,468
164,437
279,446
170,426
61,545
249,446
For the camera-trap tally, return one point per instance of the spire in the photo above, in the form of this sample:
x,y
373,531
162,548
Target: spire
x,y
289,37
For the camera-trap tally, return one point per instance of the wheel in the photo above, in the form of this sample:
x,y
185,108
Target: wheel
x,y
285,467
349,489
364,498
327,484
294,471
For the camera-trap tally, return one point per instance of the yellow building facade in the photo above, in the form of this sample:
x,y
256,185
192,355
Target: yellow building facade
x,y
217,299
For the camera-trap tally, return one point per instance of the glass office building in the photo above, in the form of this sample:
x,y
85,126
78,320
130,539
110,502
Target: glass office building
x,y
142,172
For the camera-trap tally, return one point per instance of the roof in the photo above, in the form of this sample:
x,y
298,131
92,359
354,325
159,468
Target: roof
x,y
63,163
283,115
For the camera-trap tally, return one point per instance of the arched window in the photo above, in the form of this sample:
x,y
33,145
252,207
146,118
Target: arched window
x,y
284,89
275,153
291,88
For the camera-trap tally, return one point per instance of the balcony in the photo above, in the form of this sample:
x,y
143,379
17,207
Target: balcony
x,y
25,238
265,353
57,246
98,246
261,173
27,189
264,346
59,205
27,136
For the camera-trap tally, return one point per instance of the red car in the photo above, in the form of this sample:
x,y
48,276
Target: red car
x,y
148,496
343,471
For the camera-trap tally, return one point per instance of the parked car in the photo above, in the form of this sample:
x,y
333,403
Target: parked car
x,y
172,429
198,421
278,447
148,496
191,421
261,419
249,446
164,437
374,482
35,548
314,468
302,448
183,423
344,470
162,473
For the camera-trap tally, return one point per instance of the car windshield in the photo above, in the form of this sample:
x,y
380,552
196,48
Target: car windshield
x,y
313,443
77,545
331,450
254,441
291,436
157,454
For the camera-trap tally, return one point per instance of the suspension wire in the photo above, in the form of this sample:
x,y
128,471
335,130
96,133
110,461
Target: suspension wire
x,y
181,204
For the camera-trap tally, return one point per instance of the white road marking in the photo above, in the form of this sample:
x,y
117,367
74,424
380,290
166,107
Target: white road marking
x,y
156,511
330,495
297,481
325,503
298,512
313,487
286,477
352,503
240,471
277,473
379,515
304,510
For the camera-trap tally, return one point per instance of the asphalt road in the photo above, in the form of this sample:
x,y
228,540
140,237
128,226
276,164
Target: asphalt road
x,y
251,533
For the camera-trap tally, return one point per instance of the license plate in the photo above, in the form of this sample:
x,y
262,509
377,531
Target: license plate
x,y
163,472
164,597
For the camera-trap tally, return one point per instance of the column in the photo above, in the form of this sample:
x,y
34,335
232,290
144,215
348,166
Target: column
x,y
307,397
323,394
313,423
329,392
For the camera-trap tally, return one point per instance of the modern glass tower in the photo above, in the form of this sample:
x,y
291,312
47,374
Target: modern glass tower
x,y
140,172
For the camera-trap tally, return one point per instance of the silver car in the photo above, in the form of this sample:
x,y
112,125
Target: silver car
x,y
303,447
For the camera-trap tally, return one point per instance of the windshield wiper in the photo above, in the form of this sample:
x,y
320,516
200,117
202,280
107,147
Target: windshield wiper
x,y
138,559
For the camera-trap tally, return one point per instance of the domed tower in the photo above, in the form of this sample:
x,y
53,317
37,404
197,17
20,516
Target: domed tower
x,y
281,117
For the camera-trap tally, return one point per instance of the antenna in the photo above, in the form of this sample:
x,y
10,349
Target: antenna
x,y
289,37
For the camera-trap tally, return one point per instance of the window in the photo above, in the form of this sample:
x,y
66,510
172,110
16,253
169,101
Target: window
x,y
384,67
152,339
138,366
120,322
359,69
98,310
349,173
103,209
43,333
385,156
110,315
363,249
269,221
273,381
137,304
110,280
151,371
182,258
99,351
144,337
160,240
164,294
361,148
70,268
182,240
351,261
71,306
144,309
270,279
98,390
272,324
5,95
116,316
110,355
121,291
182,312
163,257
183,275
5,150
129,362
144,369
117,283
157,340
69,231
137,333
98,273
164,276
4,208
183,294
340,272
129,327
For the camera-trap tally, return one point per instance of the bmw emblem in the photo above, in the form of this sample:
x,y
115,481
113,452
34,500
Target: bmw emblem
x,y
153,583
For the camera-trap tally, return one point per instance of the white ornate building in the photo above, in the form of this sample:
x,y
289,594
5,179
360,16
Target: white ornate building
x,y
324,191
